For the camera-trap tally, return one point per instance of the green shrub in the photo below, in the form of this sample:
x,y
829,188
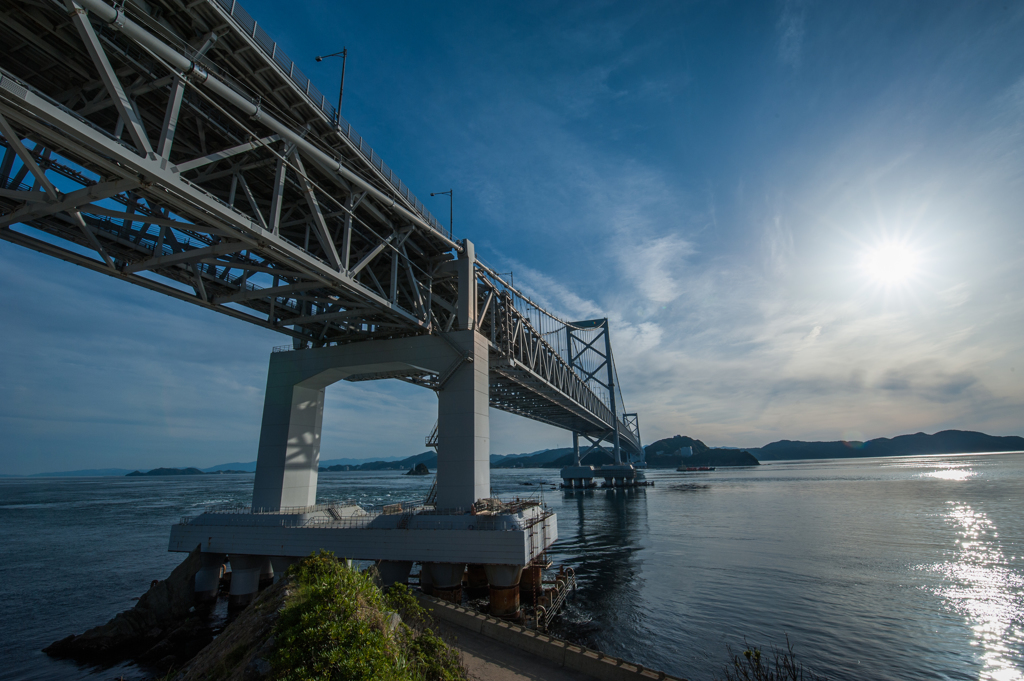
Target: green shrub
x,y
337,625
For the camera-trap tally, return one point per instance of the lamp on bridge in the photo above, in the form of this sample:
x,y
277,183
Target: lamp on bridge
x,y
341,91
451,208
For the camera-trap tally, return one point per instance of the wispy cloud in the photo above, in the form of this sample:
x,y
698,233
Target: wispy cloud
x,y
791,32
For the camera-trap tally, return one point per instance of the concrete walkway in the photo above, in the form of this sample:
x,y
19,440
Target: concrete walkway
x,y
489,660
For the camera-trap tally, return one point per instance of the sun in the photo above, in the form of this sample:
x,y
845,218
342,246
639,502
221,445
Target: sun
x,y
891,263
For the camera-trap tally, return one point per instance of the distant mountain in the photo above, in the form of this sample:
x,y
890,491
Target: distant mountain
x,y
671,448
158,472
720,457
357,462
511,457
664,453
945,442
88,472
536,460
249,466
668,453
429,459
598,457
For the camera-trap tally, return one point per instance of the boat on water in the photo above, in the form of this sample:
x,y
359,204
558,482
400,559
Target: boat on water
x,y
688,469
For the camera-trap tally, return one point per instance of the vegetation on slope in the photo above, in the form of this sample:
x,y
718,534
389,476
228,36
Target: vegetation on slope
x,y
328,621
339,625
667,453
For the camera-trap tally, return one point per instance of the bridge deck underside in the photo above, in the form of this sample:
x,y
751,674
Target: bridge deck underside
x,y
232,203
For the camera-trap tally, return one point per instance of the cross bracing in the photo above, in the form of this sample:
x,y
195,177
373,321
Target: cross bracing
x,y
176,147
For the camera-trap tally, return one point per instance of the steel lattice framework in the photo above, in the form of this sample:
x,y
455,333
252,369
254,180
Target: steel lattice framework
x,y
175,146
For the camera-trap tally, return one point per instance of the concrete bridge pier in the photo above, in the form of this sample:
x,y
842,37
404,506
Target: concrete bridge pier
x,y
504,583
391,572
207,581
280,565
476,581
531,584
426,581
446,580
245,578
289,451
266,573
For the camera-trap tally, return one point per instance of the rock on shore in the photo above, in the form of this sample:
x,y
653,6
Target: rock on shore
x,y
240,652
161,630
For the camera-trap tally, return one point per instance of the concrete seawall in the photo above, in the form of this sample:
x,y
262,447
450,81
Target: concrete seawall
x,y
557,651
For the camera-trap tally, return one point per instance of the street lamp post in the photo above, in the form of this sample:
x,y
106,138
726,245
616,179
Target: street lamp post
x,y
341,90
451,209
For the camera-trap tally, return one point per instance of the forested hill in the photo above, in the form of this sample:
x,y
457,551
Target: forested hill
x,y
945,442
668,453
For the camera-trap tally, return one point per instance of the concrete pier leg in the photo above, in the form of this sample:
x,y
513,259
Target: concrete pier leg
x,y
208,578
289,453
504,581
446,581
245,579
531,584
281,565
426,579
391,572
266,573
463,428
289,450
476,581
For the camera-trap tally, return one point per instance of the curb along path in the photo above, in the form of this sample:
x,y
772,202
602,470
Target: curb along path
x,y
561,653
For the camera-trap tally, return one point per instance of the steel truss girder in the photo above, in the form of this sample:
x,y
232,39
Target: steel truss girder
x,y
535,379
244,206
56,128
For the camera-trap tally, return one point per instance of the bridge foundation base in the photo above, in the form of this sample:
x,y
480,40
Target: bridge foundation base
x,y
207,580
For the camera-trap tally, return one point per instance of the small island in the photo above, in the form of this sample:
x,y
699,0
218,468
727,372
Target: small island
x,y
166,471
160,472
419,469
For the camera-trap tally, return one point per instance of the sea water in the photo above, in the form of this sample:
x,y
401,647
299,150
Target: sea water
x,y
895,568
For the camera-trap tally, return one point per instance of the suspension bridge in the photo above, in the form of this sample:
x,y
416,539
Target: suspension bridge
x,y
175,146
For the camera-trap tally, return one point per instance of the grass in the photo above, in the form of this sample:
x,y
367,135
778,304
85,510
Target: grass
x,y
339,626
781,665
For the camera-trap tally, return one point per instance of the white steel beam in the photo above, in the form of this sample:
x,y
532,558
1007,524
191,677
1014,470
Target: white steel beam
x,y
124,106
259,293
27,159
278,195
37,208
322,233
163,148
226,153
189,255
184,65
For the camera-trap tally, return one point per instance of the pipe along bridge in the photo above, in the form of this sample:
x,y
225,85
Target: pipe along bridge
x,y
178,148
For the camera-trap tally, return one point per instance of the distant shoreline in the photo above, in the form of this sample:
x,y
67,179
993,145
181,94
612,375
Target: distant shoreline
x,y
943,443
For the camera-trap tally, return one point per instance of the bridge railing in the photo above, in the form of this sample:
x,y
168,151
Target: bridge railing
x,y
251,28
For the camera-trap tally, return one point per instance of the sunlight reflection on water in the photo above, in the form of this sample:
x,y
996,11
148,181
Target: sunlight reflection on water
x,y
950,474
981,587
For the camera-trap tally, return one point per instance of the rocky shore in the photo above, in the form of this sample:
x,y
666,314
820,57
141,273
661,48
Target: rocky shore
x,y
163,630
322,617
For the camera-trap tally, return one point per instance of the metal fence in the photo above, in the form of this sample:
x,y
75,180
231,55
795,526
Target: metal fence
x,y
251,28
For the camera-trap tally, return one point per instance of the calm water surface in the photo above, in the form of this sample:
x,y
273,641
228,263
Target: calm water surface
x,y
899,568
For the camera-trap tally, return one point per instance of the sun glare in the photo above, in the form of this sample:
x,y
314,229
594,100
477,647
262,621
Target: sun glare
x,y
891,263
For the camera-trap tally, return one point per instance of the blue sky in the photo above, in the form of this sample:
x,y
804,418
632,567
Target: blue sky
x,y
715,177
